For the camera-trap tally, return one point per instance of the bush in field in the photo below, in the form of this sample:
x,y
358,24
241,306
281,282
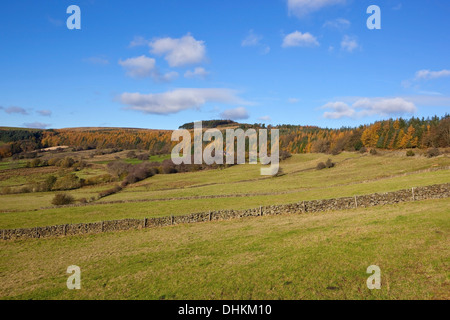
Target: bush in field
x,y
363,150
433,152
67,162
61,199
33,163
410,153
373,152
285,155
329,164
143,157
7,190
321,166
139,172
118,168
168,167
53,161
131,154
68,182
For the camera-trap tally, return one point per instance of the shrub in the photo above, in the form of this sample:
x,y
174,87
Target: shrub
x,y
131,155
363,150
34,163
329,164
373,152
68,182
118,168
321,166
143,156
61,199
53,161
433,152
285,155
410,153
67,162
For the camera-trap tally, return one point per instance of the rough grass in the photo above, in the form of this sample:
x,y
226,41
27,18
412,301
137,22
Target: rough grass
x,y
311,256
353,175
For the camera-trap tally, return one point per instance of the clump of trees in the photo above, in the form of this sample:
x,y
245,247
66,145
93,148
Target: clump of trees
x,y
328,164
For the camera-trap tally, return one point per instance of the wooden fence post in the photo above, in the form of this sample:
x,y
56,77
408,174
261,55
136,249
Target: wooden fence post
x,y
260,211
209,215
145,222
171,219
413,196
356,203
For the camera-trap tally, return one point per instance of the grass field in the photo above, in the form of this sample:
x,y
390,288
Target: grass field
x,y
313,256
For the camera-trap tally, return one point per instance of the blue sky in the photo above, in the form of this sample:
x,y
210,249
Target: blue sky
x,y
159,64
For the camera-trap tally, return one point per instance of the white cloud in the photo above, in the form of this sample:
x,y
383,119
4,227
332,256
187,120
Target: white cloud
x,y
298,39
293,100
178,100
138,41
254,40
44,113
235,114
180,52
430,75
142,67
198,72
139,67
339,110
251,40
369,107
339,24
349,44
301,8
36,125
265,118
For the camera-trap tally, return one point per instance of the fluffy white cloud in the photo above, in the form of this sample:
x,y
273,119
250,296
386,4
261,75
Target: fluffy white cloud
x,y
198,72
430,75
139,67
300,8
178,100
298,39
180,52
235,114
369,107
349,44
142,67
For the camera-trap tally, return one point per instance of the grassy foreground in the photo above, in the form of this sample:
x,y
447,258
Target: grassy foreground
x,y
312,256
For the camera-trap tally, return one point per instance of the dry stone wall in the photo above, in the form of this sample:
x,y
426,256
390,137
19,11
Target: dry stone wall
x,y
364,201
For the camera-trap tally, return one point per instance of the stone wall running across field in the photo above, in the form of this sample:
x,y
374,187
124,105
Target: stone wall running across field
x,y
377,199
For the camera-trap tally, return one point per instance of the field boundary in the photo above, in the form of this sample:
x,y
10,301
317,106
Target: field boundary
x,y
438,191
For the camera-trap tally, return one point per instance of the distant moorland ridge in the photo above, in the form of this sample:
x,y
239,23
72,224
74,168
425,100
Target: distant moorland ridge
x,y
389,134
